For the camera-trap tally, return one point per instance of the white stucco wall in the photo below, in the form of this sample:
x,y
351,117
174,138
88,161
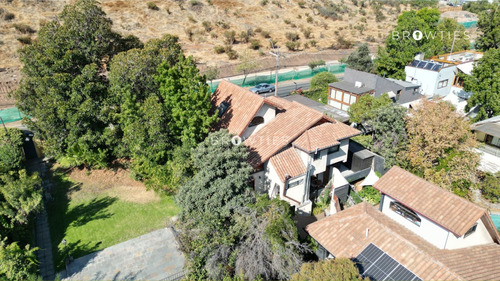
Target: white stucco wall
x,y
428,230
297,192
428,80
479,237
339,156
320,164
268,113
271,179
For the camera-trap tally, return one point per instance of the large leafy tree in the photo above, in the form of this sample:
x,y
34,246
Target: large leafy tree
x,y
11,154
64,87
489,28
360,59
485,85
441,146
209,200
269,248
319,86
17,263
331,269
447,31
364,111
389,137
401,47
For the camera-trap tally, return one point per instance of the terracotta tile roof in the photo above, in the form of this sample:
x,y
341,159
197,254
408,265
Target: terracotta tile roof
x,y
324,135
442,207
243,105
281,131
288,162
277,102
344,235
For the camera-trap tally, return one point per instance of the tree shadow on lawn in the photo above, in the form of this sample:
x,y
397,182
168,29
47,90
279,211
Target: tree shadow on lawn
x,y
62,217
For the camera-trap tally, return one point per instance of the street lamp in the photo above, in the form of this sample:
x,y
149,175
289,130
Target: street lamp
x,y
276,53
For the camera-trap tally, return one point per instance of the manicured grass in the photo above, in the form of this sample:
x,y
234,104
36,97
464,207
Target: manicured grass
x,y
95,221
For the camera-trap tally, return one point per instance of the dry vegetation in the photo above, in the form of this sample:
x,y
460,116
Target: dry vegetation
x,y
235,25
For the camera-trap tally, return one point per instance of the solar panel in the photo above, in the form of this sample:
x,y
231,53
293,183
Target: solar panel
x,y
429,66
375,264
414,63
436,67
421,64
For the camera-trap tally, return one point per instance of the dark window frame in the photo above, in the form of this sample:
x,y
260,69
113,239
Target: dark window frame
x,y
222,108
333,149
405,212
256,121
295,183
471,230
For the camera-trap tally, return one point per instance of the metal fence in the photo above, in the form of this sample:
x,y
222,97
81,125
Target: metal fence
x,y
270,78
11,115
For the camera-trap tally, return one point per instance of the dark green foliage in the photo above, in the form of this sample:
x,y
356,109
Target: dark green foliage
x,y
370,194
485,84
17,263
314,64
490,187
25,40
360,59
319,86
292,45
365,110
63,89
477,6
489,27
11,154
401,47
24,28
389,137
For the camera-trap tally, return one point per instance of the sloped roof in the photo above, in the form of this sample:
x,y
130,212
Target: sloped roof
x,y
288,162
280,132
344,235
243,105
277,102
440,206
350,87
324,136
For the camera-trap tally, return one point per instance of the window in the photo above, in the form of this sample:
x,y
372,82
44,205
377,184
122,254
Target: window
x,y
222,108
317,155
332,93
256,121
295,183
346,98
338,95
405,212
333,149
458,82
353,99
471,230
442,84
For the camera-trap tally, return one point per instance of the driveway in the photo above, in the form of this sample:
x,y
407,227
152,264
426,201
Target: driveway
x,y
153,256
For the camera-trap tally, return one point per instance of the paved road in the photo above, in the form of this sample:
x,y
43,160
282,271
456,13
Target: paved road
x,y
153,256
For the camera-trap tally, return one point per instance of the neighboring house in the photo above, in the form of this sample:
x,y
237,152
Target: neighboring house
x,y
420,232
358,83
293,148
488,131
437,76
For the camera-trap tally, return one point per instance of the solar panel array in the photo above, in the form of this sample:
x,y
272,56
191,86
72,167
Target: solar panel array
x,y
375,264
426,65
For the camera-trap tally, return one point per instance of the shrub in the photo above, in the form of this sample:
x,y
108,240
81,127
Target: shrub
x,y
309,19
293,45
302,4
153,6
207,26
263,2
314,64
370,38
189,32
219,49
194,3
292,36
230,36
287,21
307,32
370,194
26,40
254,44
321,80
232,54
246,35
8,16
265,34
313,43
24,28
490,187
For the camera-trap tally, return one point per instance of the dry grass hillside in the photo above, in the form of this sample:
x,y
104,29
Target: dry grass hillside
x,y
204,24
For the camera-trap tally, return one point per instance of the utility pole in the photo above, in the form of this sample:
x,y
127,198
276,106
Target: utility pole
x,y
276,53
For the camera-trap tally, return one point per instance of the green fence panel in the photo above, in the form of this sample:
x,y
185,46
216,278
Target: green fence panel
x,y
469,24
11,115
287,76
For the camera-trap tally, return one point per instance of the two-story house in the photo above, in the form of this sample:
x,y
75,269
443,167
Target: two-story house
x,y
418,232
292,148
358,83
438,76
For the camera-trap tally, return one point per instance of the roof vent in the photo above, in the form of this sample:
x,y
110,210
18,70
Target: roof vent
x,y
367,232
358,84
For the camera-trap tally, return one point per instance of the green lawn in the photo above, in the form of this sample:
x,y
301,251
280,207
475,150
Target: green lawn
x,y
96,221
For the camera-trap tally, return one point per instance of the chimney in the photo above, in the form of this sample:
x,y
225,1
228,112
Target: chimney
x,y
358,84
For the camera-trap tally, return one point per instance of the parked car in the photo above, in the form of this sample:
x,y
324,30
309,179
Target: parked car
x,y
263,88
